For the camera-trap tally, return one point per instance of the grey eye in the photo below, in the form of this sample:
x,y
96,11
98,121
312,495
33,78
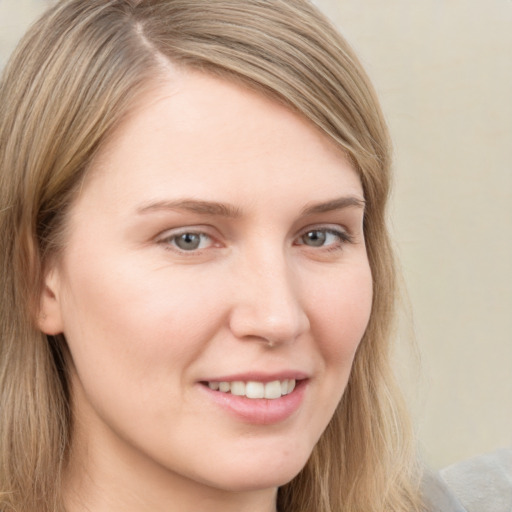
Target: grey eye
x,y
315,238
188,241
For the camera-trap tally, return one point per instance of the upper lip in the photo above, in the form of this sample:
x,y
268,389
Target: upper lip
x,y
259,376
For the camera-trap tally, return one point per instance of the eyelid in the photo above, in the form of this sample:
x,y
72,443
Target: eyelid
x,y
165,238
342,233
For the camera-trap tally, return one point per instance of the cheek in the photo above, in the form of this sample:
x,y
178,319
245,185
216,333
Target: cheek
x,y
134,321
342,313
133,339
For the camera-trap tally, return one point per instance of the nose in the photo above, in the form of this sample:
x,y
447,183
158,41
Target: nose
x,y
268,303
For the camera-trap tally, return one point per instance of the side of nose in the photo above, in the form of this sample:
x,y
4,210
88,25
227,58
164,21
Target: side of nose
x,y
267,302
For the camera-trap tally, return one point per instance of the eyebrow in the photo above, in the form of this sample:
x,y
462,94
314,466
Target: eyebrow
x,y
230,211
195,206
334,204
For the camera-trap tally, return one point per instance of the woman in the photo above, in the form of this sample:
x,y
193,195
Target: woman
x,y
194,314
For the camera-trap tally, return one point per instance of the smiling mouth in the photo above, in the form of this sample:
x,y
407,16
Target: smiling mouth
x,y
253,389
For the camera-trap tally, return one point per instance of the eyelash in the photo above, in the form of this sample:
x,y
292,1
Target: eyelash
x,y
343,238
169,242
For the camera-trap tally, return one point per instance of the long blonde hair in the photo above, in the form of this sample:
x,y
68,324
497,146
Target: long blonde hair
x,y
77,72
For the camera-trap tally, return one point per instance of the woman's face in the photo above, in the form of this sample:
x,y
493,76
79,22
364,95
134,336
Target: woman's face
x,y
217,242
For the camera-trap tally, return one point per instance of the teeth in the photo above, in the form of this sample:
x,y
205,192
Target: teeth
x,y
253,389
224,387
273,389
238,388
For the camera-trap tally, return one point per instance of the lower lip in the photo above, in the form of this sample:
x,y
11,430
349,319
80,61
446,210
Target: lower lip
x,y
260,411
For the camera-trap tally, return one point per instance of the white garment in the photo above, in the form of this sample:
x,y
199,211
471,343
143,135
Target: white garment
x,y
479,484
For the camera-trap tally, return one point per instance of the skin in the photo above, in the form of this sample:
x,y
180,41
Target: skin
x,y
147,321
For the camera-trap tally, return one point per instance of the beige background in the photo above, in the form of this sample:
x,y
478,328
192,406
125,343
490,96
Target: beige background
x,y
444,74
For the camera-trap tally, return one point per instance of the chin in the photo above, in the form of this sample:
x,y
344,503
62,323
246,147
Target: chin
x,y
257,475
249,482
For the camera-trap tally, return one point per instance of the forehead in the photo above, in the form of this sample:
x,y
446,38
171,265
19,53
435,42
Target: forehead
x,y
210,136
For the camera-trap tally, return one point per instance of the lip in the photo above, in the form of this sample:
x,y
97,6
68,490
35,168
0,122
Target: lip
x,y
258,376
259,411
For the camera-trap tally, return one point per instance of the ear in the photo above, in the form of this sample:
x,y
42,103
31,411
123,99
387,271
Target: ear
x,y
49,319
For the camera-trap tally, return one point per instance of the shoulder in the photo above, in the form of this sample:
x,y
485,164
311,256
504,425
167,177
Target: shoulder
x,y
484,483
479,484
